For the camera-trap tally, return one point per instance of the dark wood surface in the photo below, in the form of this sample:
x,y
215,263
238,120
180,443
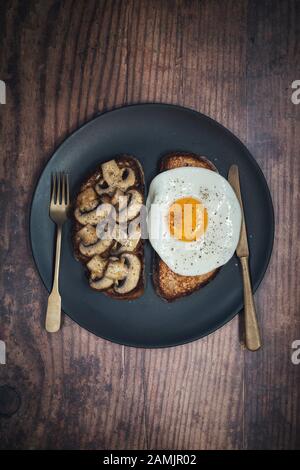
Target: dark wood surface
x,y
65,61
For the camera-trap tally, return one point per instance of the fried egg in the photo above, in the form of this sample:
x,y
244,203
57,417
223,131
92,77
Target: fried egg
x,y
194,219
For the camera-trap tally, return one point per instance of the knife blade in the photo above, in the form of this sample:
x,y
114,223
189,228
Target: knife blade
x,y
234,180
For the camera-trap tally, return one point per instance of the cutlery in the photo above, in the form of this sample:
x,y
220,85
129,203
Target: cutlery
x,y
252,337
59,205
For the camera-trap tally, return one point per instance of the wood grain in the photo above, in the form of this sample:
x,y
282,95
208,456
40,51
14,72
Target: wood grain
x,y
65,61
272,410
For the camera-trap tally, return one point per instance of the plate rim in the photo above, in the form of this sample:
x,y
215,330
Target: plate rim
x,y
250,156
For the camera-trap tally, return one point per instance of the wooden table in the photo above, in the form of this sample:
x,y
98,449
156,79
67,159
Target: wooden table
x,y
64,62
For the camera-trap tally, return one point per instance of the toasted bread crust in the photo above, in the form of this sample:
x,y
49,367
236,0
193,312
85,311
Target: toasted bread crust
x,y
169,285
123,161
181,159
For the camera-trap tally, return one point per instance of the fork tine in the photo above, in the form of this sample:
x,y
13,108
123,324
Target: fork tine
x,y
63,184
58,189
67,190
53,193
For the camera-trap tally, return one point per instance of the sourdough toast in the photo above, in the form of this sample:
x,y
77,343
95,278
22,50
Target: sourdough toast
x,y
169,285
112,264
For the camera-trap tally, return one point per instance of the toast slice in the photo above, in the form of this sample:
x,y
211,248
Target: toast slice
x,y
113,266
169,285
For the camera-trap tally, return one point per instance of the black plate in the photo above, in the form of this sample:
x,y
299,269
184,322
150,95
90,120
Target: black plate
x,y
149,131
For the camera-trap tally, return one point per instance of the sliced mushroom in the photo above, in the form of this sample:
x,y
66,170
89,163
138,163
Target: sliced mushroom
x,y
134,205
118,248
134,272
101,284
93,217
129,245
96,249
111,172
88,235
87,200
127,178
97,266
102,187
115,177
116,269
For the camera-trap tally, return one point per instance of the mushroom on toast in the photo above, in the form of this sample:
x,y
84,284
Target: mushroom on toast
x,y
114,258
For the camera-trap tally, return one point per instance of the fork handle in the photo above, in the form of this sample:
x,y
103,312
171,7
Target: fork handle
x,y
253,341
53,315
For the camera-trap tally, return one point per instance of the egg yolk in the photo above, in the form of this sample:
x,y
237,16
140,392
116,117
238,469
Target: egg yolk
x,y
188,219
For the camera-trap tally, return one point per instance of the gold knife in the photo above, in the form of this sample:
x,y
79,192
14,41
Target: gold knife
x,y
253,341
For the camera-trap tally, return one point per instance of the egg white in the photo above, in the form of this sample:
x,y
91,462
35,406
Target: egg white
x,y
221,237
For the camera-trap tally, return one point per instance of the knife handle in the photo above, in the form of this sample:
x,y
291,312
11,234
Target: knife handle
x,y
253,341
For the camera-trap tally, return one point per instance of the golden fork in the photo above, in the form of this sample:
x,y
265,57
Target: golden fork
x,y
59,205
253,341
